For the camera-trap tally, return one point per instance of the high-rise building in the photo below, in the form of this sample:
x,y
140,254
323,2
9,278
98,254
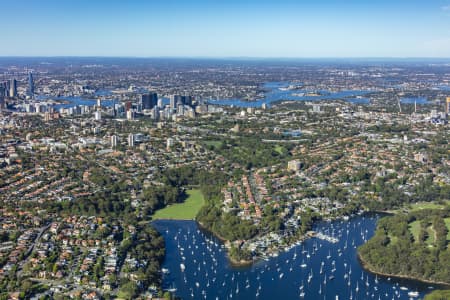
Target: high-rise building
x,y
186,100
128,105
98,115
131,140
13,88
149,100
169,143
172,103
175,100
2,96
145,101
130,115
30,85
113,141
447,106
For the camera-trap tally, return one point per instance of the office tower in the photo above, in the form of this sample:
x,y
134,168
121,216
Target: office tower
x,y
13,88
128,105
2,96
175,100
99,102
154,99
172,103
160,103
155,113
186,100
169,143
447,106
130,115
145,101
30,85
149,101
131,140
113,141
7,85
98,115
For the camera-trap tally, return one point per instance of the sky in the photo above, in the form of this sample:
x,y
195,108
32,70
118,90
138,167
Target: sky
x,y
231,28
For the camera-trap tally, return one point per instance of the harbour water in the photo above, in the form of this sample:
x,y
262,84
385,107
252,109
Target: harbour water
x,y
276,91
314,269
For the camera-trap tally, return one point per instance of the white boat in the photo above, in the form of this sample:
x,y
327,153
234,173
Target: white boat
x,y
182,267
413,294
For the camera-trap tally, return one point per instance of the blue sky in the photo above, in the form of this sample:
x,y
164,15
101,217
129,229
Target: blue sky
x,y
217,28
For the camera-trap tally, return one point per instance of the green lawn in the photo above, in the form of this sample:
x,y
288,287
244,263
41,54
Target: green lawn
x,y
447,223
431,236
426,205
182,211
279,149
414,227
215,144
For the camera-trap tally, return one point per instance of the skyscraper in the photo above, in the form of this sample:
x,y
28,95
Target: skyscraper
x,y
30,85
13,88
149,101
186,100
2,95
131,140
175,100
113,141
447,105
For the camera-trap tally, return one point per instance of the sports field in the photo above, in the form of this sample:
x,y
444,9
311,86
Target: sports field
x,y
182,211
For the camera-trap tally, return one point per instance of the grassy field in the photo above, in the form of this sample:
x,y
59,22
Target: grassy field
x,y
414,227
182,211
447,223
279,149
431,236
215,144
426,205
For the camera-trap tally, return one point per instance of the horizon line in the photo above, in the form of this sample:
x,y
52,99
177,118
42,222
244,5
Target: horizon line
x,y
231,57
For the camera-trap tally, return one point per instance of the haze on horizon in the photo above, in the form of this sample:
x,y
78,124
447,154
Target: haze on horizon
x,y
233,28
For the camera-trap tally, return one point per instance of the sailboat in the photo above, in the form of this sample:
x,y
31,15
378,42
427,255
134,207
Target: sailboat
x,y
310,276
302,292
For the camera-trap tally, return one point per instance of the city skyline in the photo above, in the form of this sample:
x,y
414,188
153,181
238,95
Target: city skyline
x,y
260,29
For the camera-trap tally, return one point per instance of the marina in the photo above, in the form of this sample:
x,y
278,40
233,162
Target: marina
x,y
324,267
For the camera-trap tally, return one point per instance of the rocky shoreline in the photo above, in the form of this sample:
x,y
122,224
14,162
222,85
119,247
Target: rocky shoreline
x,y
369,268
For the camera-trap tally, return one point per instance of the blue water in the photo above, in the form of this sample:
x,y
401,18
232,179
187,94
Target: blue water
x,y
275,94
82,101
418,100
209,275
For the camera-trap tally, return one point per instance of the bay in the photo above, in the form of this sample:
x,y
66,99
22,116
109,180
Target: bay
x,y
276,91
326,270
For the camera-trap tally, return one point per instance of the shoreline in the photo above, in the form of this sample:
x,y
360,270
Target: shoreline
x,y
233,262
369,268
